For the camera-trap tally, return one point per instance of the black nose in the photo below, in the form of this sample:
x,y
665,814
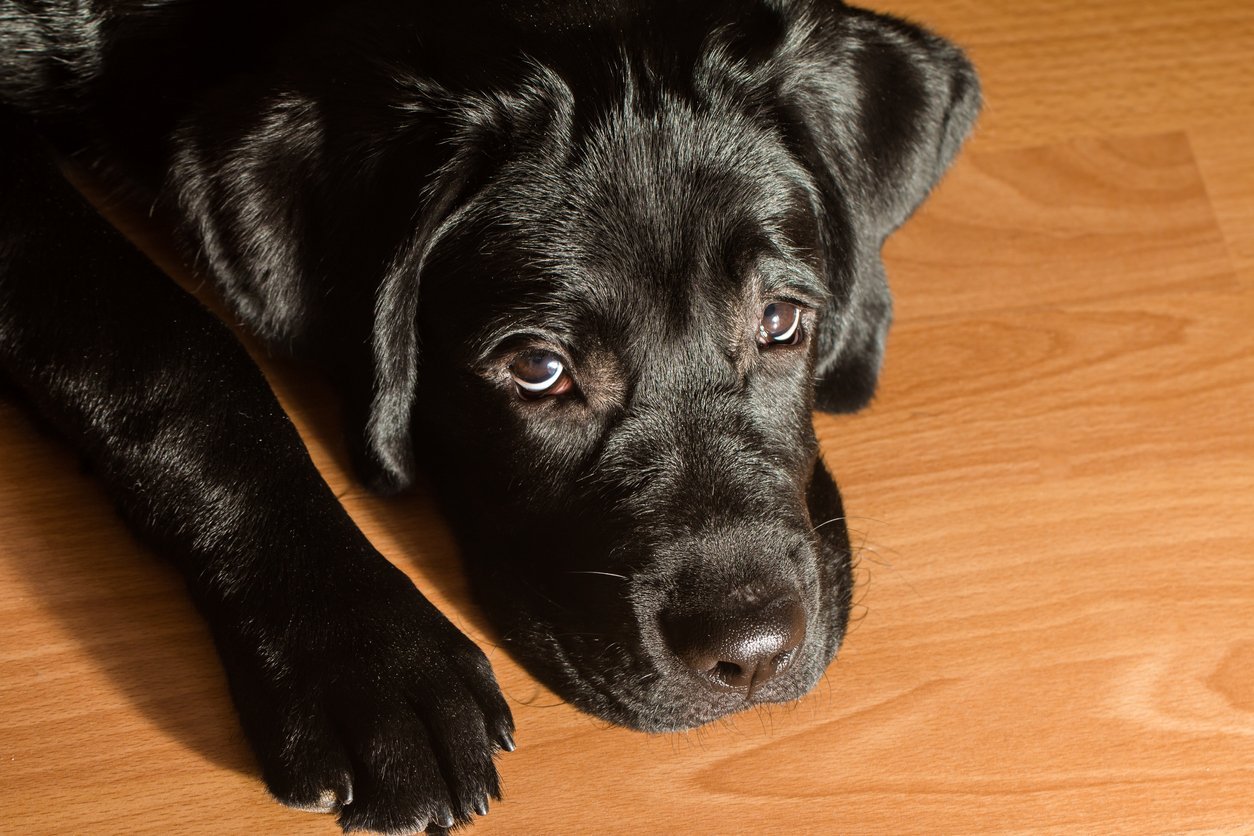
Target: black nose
x,y
738,648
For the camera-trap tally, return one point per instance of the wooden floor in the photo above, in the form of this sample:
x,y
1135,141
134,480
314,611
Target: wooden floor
x,y
1054,497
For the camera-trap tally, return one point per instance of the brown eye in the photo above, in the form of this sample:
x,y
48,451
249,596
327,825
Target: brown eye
x,y
537,373
780,325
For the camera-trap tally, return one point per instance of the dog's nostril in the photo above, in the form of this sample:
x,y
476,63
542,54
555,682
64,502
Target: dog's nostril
x,y
738,649
728,672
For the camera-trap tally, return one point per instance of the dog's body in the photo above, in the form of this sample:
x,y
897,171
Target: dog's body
x,y
648,241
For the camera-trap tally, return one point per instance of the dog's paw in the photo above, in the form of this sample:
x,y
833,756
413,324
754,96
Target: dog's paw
x,y
377,709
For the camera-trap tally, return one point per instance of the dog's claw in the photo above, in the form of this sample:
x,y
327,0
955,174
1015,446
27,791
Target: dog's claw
x,y
507,742
481,806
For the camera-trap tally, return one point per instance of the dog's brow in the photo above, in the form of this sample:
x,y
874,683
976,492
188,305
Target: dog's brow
x,y
792,283
506,332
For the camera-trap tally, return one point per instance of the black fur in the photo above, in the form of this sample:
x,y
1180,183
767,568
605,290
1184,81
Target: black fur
x,y
408,194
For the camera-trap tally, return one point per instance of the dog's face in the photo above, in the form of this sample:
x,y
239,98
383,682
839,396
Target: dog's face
x,y
648,246
637,347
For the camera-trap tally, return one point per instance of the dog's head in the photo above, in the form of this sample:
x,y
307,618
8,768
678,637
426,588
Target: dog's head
x,y
660,250
648,246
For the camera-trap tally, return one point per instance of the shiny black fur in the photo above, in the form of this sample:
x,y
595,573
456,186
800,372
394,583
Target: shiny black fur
x,y
405,193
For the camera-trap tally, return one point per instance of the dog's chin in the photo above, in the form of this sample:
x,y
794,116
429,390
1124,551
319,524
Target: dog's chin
x,y
615,668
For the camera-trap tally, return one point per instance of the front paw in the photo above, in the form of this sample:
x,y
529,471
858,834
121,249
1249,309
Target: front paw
x,y
373,706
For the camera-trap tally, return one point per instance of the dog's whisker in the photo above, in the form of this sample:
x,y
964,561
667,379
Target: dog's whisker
x,y
865,544
863,550
606,574
862,517
826,522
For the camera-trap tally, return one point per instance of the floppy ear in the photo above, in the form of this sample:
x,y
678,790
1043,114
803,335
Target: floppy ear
x,y
878,108
384,450
316,207
385,457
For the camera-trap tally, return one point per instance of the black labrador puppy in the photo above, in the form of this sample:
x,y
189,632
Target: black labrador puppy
x,y
588,264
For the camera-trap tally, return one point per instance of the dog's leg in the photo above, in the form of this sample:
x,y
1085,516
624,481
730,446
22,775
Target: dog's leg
x,y
356,693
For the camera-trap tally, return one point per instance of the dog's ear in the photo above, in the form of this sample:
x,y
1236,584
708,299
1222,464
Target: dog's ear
x,y
876,108
316,208
384,451
385,458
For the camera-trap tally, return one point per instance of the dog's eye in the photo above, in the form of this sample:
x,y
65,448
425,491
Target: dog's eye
x,y
538,372
780,325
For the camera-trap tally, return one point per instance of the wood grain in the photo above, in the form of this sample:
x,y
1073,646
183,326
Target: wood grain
x,y
1053,494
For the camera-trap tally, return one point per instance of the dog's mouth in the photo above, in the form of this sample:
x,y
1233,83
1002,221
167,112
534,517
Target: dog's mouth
x,y
663,647
619,681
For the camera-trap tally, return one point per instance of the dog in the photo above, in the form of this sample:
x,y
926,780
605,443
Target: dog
x,y
589,266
